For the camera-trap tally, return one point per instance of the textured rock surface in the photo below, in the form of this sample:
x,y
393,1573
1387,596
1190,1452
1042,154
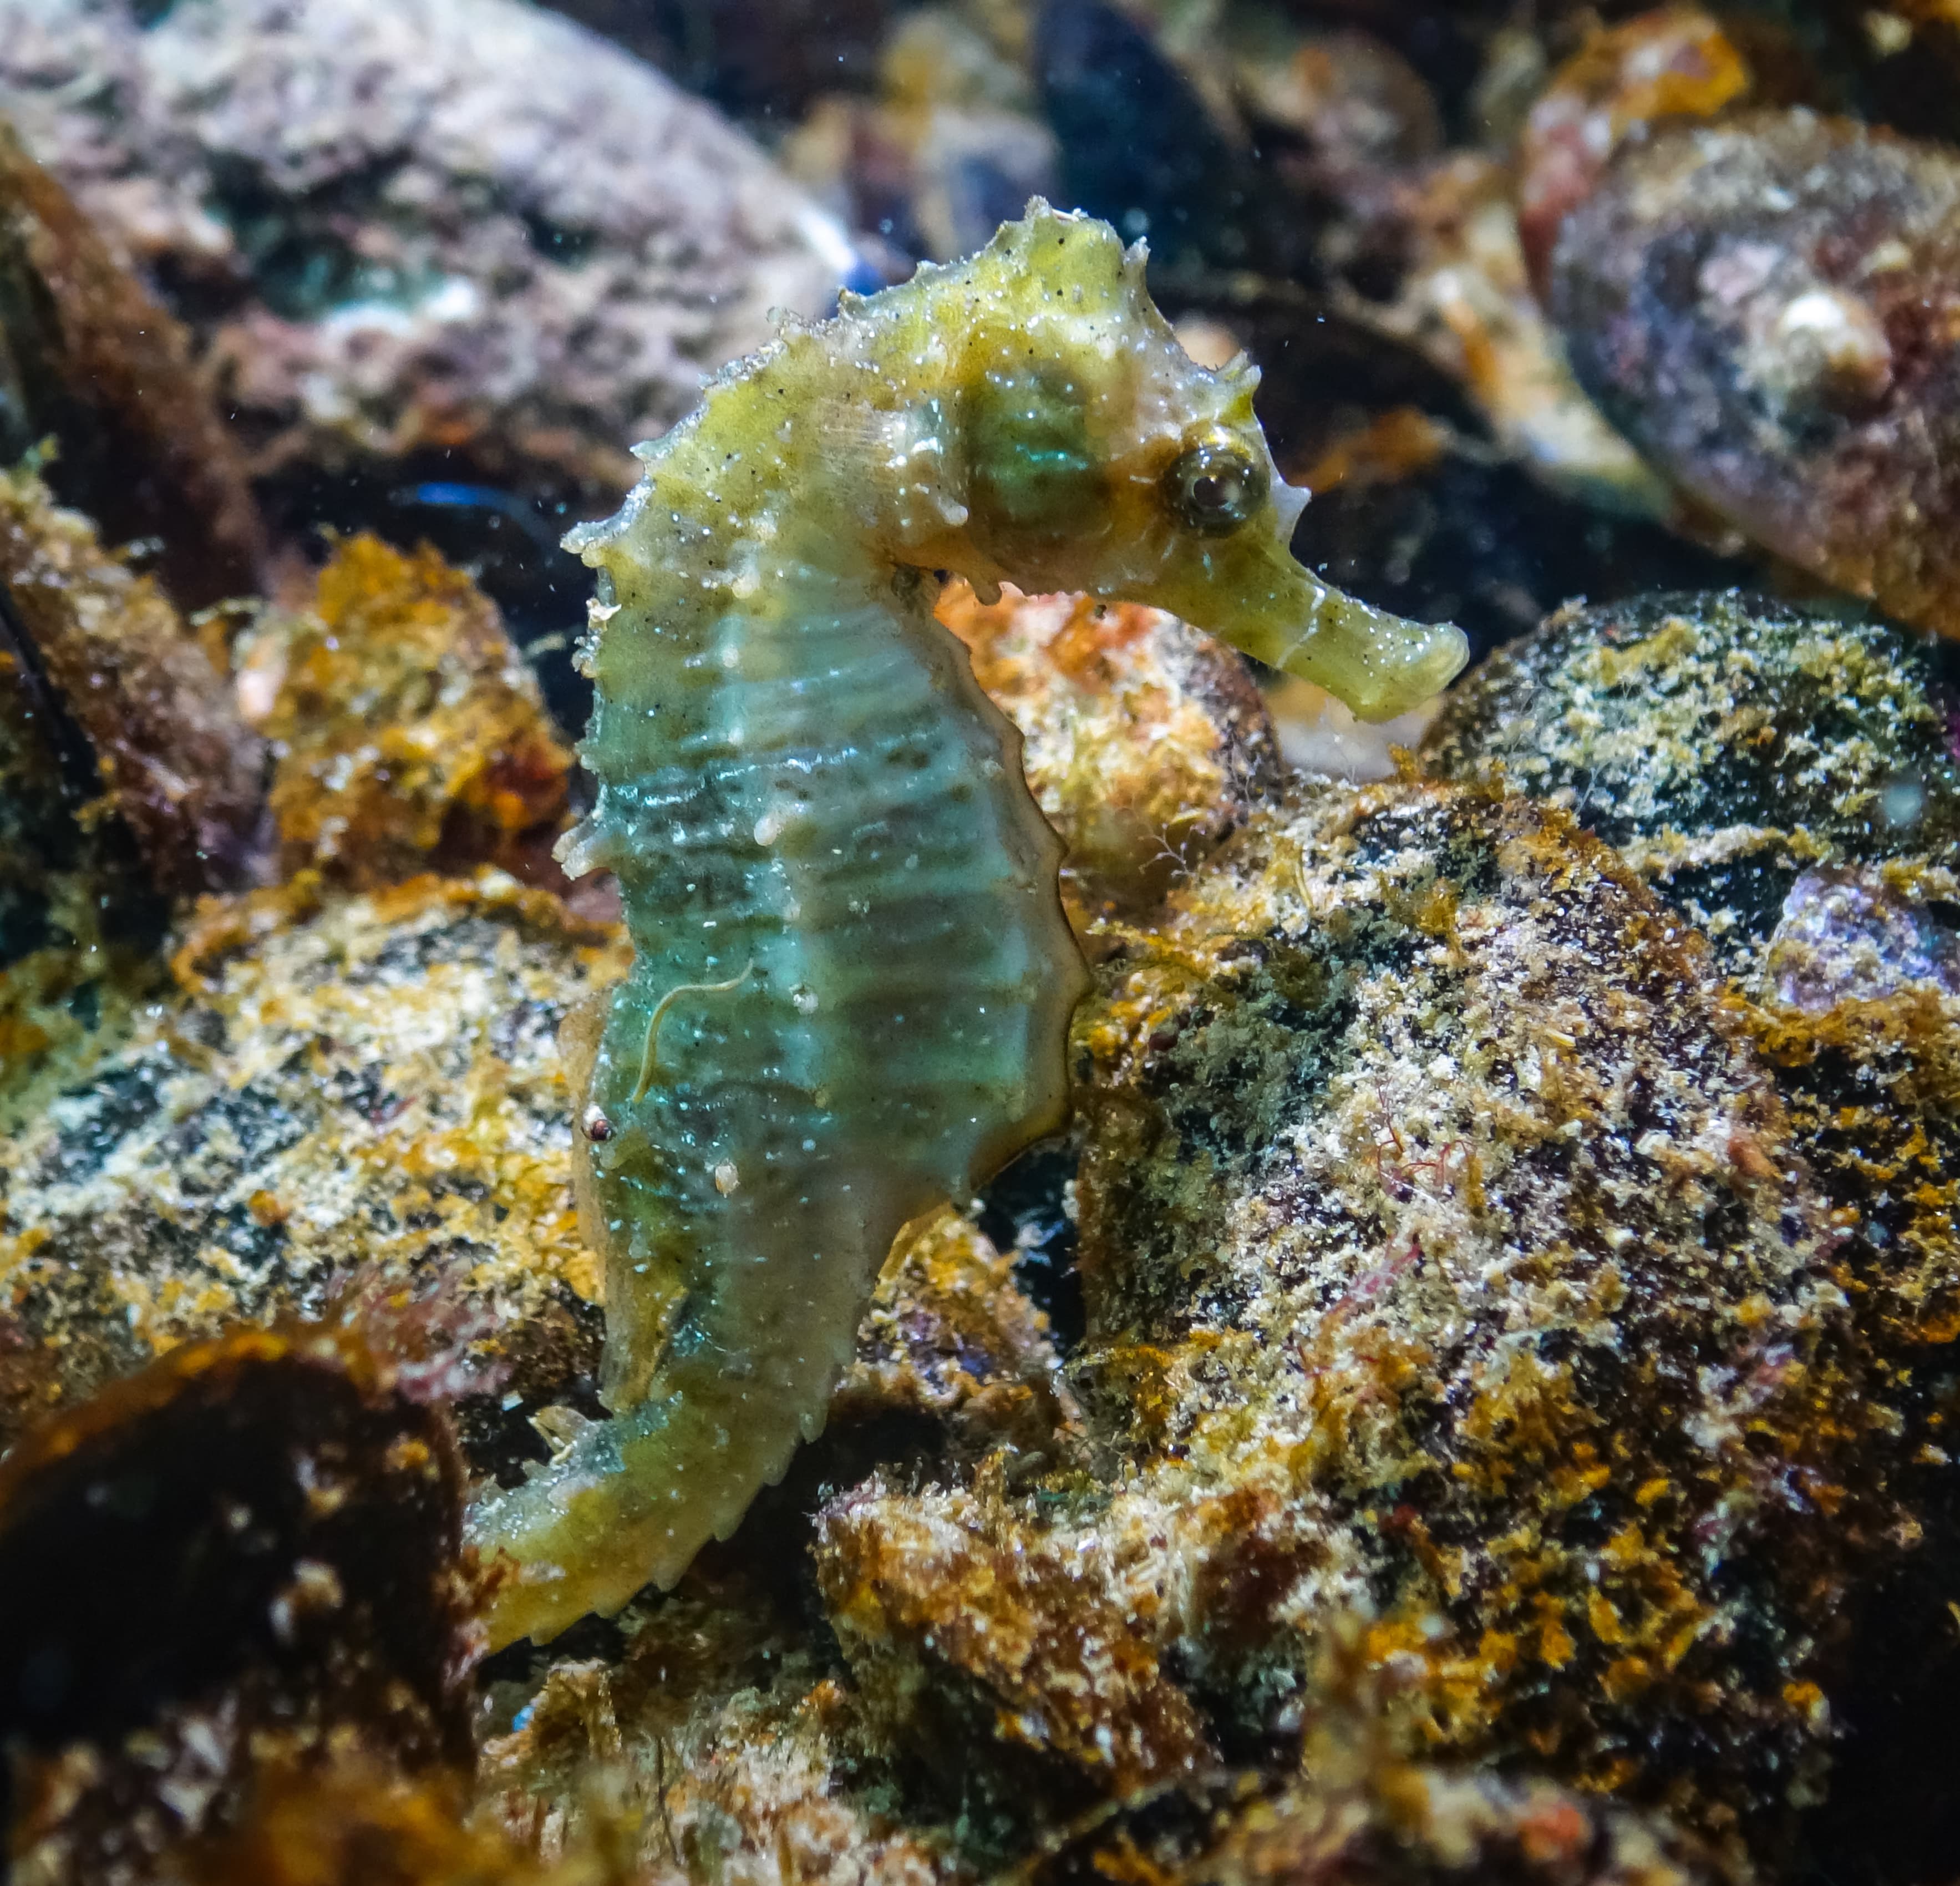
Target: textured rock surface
x,y
296,1517
1668,62
728,1739
1448,1257
369,1090
1763,306
1788,780
80,923
89,359
461,225
1146,742
407,732
1724,744
1459,1308
172,759
1359,1813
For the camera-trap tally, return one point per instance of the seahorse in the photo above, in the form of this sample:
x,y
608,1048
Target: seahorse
x,y
852,981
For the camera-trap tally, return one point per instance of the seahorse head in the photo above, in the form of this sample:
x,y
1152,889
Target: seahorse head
x,y
1080,447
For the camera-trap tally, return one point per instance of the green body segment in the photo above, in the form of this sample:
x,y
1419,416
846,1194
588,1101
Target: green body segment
x,y
808,798
853,979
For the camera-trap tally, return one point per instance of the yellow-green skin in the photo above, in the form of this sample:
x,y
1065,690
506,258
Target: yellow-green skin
x,y
853,979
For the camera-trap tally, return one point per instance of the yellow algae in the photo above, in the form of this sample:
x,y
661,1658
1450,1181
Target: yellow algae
x,y
407,731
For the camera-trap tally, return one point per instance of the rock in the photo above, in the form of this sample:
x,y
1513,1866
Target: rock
x,y
1867,1061
1724,744
1788,780
1450,1267
1761,305
1353,102
767,60
990,1650
1147,742
721,1735
80,923
1671,63
408,734
1449,1262
1463,298
460,234
173,762
91,360
952,1336
1358,1810
365,1089
297,1520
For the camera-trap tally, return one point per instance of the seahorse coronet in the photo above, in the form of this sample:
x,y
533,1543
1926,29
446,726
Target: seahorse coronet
x,y
822,833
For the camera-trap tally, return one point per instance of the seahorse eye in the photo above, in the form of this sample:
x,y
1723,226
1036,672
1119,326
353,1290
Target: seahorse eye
x,y
1215,487
1034,468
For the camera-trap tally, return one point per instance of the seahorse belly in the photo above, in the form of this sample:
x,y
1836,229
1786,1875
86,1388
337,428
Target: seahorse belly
x,y
869,865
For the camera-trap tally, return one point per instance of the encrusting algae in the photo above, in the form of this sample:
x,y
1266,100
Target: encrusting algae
x,y
852,977
127,778
1724,744
407,733
1449,1265
1786,779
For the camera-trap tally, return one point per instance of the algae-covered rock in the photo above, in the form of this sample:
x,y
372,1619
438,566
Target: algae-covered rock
x,y
173,761
127,778
242,1559
1448,1263
716,1737
1449,1260
1146,741
367,1091
1467,1282
1787,779
88,358
952,1336
1723,743
408,734
990,1650
79,922
1356,1812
